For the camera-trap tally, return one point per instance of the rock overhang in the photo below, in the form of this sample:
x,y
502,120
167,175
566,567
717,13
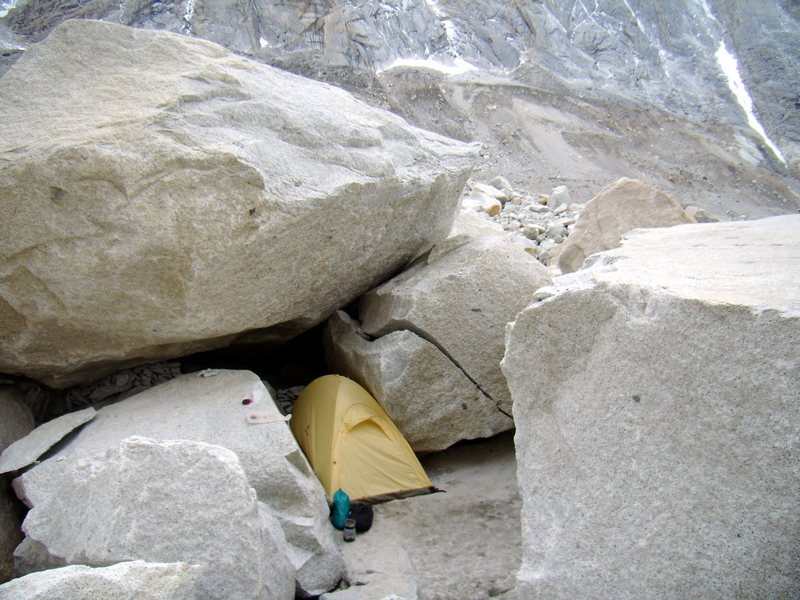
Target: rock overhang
x,y
195,187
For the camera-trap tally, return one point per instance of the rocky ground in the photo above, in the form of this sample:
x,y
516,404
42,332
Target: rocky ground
x,y
540,133
463,544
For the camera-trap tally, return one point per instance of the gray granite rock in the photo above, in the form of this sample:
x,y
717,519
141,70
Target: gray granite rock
x,y
763,36
134,580
656,404
432,402
163,501
170,183
560,195
207,407
701,215
460,298
620,207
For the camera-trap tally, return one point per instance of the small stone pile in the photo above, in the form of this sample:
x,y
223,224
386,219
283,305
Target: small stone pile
x,y
47,403
539,222
120,385
286,397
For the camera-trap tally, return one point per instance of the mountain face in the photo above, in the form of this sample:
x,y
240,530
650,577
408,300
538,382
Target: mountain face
x,y
664,53
699,97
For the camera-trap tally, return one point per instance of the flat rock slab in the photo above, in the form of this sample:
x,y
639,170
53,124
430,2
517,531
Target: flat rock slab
x,y
216,407
173,196
26,451
134,580
656,403
206,406
161,501
746,263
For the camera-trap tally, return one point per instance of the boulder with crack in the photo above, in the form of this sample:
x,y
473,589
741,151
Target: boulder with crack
x,y
132,580
656,404
459,297
173,197
624,205
218,407
160,501
432,402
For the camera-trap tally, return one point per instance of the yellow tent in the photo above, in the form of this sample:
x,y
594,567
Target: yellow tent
x,y
353,445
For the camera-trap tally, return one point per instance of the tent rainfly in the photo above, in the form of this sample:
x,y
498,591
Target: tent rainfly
x,y
352,444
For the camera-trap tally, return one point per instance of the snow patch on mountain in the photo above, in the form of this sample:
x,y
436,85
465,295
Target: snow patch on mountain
x,y
6,6
456,67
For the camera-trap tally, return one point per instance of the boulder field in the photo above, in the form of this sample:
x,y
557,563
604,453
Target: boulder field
x,y
205,408
654,397
173,197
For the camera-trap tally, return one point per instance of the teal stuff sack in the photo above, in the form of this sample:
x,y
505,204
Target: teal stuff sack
x,y
340,509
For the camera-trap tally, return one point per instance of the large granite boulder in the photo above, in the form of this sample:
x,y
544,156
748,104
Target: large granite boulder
x,y
161,501
459,297
620,207
16,421
133,580
656,404
208,407
432,402
172,196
